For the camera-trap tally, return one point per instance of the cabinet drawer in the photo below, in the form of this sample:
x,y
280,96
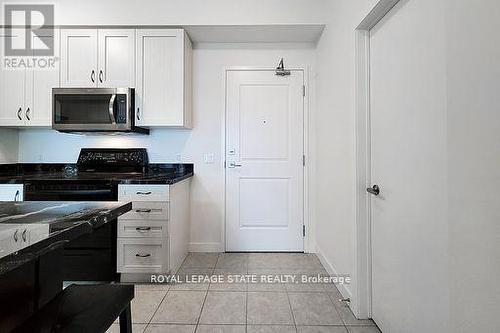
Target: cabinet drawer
x,y
141,229
139,255
146,210
143,193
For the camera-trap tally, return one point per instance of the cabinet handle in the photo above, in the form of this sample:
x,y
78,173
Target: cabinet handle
x,y
24,235
19,113
92,76
16,196
28,111
100,76
143,229
138,114
143,210
15,235
143,193
143,255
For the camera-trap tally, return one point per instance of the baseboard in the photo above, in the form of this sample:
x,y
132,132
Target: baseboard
x,y
206,247
330,268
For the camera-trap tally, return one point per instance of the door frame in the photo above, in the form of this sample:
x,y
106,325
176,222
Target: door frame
x,y
309,241
362,299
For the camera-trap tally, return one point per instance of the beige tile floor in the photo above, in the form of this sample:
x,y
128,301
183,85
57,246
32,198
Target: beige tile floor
x,y
244,307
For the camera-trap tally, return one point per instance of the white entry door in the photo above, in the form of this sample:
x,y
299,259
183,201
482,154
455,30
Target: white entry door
x,y
408,163
264,161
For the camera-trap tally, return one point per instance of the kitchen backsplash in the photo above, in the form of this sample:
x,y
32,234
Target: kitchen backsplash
x,y
38,146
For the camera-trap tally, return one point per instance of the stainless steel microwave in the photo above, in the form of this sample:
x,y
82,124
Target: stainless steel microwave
x,y
94,110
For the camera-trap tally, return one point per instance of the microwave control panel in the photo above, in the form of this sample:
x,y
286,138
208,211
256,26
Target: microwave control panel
x,y
121,109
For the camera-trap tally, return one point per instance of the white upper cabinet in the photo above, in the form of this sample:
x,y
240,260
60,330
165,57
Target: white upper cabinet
x,y
97,58
79,58
39,84
116,58
156,62
12,89
164,68
26,93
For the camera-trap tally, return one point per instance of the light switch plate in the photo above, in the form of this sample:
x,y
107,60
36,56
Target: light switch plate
x,y
209,158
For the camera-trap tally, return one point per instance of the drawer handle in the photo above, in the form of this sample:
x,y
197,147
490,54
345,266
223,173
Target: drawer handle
x,y
142,255
15,235
24,235
140,229
143,210
143,193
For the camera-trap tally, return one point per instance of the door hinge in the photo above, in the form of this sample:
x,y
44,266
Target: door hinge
x,y
303,230
303,160
303,91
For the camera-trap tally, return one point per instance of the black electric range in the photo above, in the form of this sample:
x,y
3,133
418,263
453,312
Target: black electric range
x,y
95,177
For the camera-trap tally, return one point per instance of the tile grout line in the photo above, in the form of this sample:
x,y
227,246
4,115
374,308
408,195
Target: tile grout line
x,y
246,294
291,309
156,310
205,299
164,297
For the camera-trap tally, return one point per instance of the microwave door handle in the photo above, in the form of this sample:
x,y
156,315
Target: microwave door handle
x,y
112,109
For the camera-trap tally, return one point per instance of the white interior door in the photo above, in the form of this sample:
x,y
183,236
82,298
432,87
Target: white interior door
x,y
408,162
264,166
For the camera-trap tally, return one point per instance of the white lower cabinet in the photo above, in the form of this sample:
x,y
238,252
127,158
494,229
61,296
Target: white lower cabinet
x,y
10,192
153,237
14,237
143,255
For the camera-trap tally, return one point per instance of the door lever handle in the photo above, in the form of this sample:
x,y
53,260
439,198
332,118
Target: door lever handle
x,y
234,165
375,190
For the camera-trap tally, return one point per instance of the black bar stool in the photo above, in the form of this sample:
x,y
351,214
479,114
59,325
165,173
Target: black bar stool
x,y
84,308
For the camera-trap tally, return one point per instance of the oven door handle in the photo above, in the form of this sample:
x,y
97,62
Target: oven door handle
x,y
111,109
73,192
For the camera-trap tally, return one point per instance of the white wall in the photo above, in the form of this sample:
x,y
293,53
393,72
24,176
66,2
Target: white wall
x,y
165,144
185,12
473,132
9,142
474,164
335,135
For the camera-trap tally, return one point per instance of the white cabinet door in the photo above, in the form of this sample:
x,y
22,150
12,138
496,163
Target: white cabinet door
x,y
12,91
79,58
160,77
116,58
11,192
38,109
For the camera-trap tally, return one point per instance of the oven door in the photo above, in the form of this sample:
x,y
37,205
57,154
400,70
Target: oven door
x,y
91,257
92,109
61,192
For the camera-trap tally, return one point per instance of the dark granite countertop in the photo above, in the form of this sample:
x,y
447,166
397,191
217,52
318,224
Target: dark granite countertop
x,y
44,226
161,174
